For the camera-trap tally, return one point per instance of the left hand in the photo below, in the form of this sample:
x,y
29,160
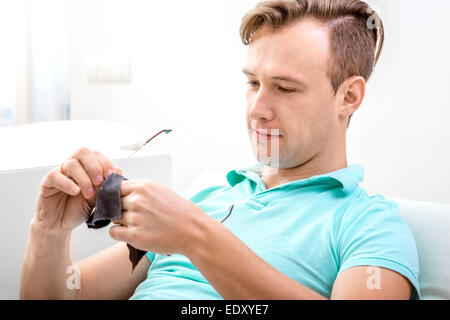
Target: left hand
x,y
156,219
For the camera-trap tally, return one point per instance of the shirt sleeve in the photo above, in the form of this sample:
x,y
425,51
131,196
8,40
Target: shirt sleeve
x,y
377,236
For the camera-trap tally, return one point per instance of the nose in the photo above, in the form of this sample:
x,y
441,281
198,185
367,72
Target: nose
x,y
260,105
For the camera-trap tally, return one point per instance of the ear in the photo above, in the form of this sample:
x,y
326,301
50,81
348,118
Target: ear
x,y
351,94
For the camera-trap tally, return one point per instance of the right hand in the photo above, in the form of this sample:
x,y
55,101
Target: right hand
x,y
68,193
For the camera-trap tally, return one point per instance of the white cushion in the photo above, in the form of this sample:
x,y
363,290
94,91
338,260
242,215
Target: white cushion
x,y
430,225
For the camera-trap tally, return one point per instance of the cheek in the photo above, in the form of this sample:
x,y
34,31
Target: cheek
x,y
296,120
300,124
316,111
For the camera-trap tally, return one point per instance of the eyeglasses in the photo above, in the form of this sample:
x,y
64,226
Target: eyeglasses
x,y
167,132
229,214
126,160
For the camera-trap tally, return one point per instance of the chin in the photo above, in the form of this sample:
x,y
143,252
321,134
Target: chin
x,y
284,161
273,163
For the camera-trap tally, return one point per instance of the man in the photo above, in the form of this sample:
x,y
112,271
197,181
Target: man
x,y
295,227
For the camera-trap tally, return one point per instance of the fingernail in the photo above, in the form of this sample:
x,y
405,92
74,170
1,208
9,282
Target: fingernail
x,y
99,180
109,172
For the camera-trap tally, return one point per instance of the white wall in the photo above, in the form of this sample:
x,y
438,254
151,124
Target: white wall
x,y
187,58
401,133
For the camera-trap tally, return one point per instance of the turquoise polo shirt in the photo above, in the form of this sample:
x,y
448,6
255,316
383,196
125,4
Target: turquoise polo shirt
x,y
311,230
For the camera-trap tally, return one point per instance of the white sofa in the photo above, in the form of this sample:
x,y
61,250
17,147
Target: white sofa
x,y
430,225
22,167
30,151
429,222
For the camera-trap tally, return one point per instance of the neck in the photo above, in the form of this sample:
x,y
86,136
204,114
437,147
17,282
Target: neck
x,y
319,164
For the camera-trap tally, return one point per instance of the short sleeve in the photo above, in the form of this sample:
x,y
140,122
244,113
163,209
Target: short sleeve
x,y
377,236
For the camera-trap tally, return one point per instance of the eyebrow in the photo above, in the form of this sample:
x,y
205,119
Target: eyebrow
x,y
281,78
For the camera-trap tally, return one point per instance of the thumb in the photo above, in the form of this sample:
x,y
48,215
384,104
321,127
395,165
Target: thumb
x,y
118,170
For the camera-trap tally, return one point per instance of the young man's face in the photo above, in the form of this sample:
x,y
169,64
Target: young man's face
x,y
304,110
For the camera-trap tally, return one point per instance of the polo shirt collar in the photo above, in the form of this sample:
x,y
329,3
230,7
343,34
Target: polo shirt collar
x,y
349,177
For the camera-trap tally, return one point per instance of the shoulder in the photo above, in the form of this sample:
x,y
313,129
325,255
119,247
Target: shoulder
x,y
364,206
371,227
372,232
375,220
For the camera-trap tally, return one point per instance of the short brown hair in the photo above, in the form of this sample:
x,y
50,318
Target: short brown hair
x,y
356,31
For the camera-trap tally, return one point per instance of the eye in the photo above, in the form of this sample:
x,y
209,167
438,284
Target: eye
x,y
253,84
286,90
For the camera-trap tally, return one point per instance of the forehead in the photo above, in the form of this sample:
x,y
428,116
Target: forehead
x,y
301,48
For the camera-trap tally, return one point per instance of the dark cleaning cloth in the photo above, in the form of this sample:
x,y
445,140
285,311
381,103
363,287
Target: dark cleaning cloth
x,y
108,206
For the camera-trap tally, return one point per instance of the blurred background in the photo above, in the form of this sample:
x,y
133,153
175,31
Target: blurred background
x,y
153,65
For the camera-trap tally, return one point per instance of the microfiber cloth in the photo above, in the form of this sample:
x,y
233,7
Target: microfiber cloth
x,y
108,206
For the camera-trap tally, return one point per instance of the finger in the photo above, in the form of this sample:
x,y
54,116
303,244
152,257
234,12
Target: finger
x,y
56,180
122,221
128,203
119,171
120,233
119,222
106,164
127,186
91,165
73,169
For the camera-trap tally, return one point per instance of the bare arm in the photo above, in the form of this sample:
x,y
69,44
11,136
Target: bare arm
x,y
65,202
105,275
236,272
44,266
357,284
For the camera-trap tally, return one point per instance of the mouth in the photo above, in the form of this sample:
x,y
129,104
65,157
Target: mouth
x,y
267,134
